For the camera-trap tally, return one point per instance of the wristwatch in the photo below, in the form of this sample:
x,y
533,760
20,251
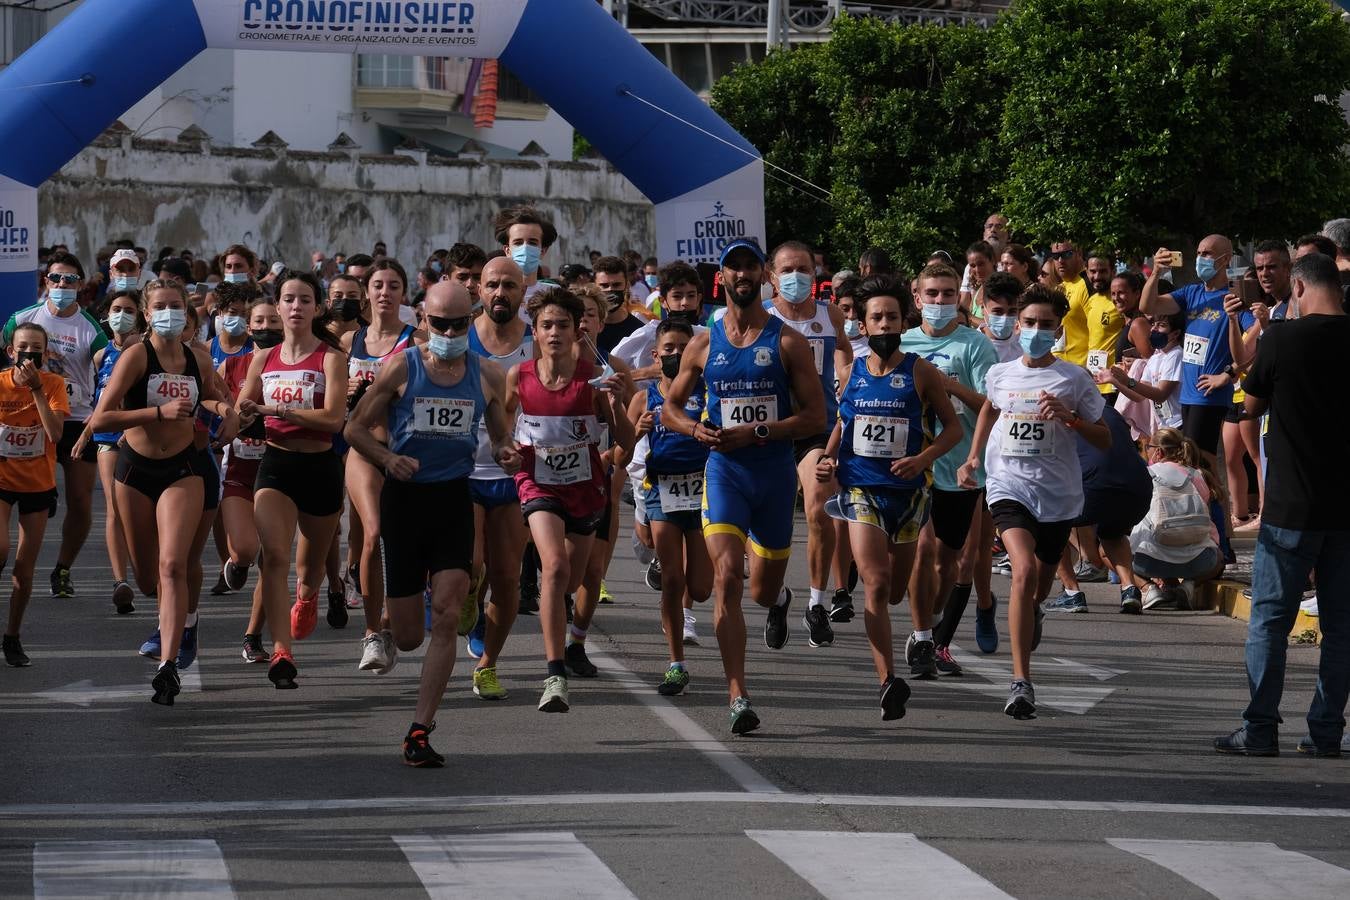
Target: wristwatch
x,y
761,432
1131,383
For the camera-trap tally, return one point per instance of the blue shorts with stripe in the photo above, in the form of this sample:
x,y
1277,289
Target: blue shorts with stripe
x,y
754,500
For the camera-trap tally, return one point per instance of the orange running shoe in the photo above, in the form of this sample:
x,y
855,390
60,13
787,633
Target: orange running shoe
x,y
304,616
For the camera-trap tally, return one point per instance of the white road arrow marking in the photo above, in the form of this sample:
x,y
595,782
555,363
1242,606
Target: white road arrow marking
x,y
86,693
1066,698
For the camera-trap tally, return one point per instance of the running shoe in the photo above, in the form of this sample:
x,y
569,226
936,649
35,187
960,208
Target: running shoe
x,y
187,649
337,609
1242,743
554,698
1112,577
1307,747
1037,628
221,588
1131,601
236,576
1153,597
486,686
946,663
62,586
690,630
1309,607
1021,700
986,627
529,599
1001,565
353,594
167,684
674,682
1069,602
123,598
469,614
1087,573
417,750
15,658
474,643
152,647
605,595
924,656
776,632
817,622
390,653
373,656
841,609
253,651
743,718
304,616
578,663
642,553
654,575
894,695
282,671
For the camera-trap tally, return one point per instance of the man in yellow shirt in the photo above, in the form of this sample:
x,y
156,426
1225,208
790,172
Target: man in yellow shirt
x,y
1104,321
1068,262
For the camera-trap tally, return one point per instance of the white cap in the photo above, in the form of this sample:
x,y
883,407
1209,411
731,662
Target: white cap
x,y
278,268
124,255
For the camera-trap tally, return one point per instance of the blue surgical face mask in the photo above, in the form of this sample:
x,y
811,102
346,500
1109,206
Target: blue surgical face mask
x,y
62,298
124,283
939,315
234,326
1158,339
236,278
527,257
436,266
342,268
852,328
653,281
447,348
1001,327
121,321
795,287
1121,267
168,323
1205,269
1036,342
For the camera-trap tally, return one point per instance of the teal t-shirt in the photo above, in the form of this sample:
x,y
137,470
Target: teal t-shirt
x,y
966,355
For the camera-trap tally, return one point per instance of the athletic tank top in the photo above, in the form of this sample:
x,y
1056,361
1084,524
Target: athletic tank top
x,y
159,388
110,357
361,364
218,354
883,419
820,334
435,425
558,433
298,385
485,468
669,452
251,441
748,386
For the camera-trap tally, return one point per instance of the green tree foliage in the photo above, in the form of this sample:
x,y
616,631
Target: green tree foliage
x,y
1117,122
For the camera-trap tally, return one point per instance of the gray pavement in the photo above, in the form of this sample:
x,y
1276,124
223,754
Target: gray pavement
x,y
243,790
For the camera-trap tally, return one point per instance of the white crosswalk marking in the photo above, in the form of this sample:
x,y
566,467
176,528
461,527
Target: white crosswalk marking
x,y
169,870
532,866
1243,871
846,865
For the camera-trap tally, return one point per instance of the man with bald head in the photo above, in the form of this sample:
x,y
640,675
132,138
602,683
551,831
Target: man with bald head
x,y
434,399
1207,370
500,335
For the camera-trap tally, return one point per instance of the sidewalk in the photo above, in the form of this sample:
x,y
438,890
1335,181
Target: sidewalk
x,y
1226,595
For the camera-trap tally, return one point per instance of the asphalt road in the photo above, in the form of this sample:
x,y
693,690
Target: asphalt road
x,y
1113,791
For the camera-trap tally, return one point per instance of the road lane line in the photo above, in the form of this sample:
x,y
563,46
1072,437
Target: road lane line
x,y
172,870
848,865
447,804
515,866
1234,870
689,731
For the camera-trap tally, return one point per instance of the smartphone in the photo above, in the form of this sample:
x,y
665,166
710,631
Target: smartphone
x,y
1177,259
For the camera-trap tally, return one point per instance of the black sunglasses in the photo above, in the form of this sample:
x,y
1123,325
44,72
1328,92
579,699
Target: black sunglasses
x,y
1062,254
63,278
442,324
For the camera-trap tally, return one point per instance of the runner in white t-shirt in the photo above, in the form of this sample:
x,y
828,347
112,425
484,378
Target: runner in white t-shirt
x,y
1034,481
73,337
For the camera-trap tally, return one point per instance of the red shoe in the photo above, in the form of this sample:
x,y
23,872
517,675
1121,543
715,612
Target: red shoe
x,y
282,671
304,617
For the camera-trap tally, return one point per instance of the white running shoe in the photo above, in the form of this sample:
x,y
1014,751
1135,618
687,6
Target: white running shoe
x,y
373,655
690,632
390,653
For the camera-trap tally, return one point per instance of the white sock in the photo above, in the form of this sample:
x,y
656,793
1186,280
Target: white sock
x,y
191,620
782,597
819,597
924,635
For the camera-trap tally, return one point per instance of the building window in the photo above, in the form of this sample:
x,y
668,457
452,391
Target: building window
x,y
378,71
19,30
511,89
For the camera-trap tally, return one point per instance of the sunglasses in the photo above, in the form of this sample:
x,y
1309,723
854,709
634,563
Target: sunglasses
x,y
1062,254
443,325
64,278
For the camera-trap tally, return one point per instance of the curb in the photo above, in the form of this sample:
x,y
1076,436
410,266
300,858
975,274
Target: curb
x,y
1226,597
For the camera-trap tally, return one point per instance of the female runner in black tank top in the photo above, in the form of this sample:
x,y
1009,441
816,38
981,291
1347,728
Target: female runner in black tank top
x,y
153,397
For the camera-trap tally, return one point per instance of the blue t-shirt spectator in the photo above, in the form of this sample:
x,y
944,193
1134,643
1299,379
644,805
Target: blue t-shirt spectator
x,y
1204,349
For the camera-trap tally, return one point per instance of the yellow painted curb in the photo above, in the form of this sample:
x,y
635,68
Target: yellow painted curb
x,y
1227,597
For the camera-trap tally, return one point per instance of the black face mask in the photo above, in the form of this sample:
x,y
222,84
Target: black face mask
x,y
348,310
670,365
500,314
615,299
265,339
33,356
883,345
687,316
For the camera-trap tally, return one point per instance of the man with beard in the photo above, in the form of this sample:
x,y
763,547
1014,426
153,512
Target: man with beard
x,y
763,393
1104,321
1067,263
611,276
503,337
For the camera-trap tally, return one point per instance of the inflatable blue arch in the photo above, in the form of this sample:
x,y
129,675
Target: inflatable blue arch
x,y
706,180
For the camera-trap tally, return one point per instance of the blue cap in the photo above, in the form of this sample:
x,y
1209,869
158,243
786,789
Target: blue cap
x,y
748,243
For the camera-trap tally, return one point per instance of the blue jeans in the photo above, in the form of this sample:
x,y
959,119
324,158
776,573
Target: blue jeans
x,y
1284,559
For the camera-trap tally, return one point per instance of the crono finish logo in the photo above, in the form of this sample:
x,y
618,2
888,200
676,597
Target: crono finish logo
x,y
398,22
709,235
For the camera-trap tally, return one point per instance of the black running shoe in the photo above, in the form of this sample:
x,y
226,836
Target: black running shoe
x,y
282,672
123,598
354,577
654,575
253,651
220,589
1021,703
337,608
529,599
578,662
417,750
841,610
15,658
776,632
167,684
894,695
235,577
62,586
924,661
817,622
